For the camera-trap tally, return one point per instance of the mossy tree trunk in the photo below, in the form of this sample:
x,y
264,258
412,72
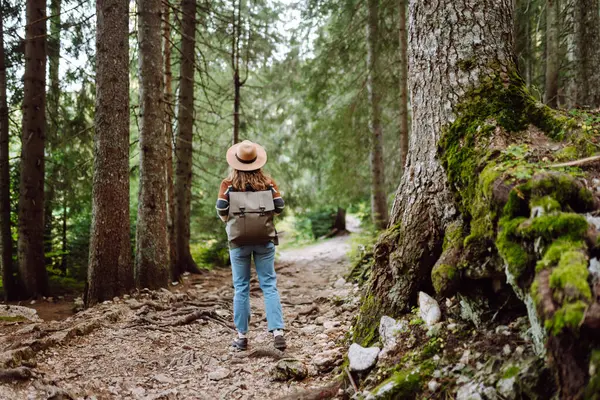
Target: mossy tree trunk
x,y
110,269
465,212
152,242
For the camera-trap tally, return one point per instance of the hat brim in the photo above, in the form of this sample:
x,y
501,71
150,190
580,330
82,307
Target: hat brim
x,y
261,159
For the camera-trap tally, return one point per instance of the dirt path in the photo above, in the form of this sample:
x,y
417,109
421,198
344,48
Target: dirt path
x,y
122,356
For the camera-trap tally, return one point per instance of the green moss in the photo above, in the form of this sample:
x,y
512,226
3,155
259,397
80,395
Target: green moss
x,y
546,203
569,279
567,153
509,248
564,189
453,236
569,316
511,372
592,390
555,251
404,384
563,225
432,348
444,278
17,318
366,327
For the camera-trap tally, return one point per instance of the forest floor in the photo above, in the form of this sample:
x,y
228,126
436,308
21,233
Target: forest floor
x,y
176,344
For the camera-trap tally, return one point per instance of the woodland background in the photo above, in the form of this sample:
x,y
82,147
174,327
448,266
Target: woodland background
x,y
321,84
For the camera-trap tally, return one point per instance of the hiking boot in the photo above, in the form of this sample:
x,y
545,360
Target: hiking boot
x,y
240,344
279,342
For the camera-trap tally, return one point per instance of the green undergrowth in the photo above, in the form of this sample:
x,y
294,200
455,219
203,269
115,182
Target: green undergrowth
x,y
361,256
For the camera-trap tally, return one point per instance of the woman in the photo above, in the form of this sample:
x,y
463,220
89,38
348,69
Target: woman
x,y
247,202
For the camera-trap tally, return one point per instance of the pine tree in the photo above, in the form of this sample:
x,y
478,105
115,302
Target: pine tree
x,y
152,241
32,270
110,271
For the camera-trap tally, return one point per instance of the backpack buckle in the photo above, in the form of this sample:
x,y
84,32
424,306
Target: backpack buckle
x,y
242,212
262,211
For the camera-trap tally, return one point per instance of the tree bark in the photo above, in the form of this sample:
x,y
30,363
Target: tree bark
x,y
152,242
110,271
378,199
552,53
424,205
522,35
235,64
53,107
185,136
32,271
586,53
6,265
169,115
403,76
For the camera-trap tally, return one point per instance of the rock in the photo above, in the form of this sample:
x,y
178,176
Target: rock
x,y
471,391
435,330
339,283
218,374
472,309
310,329
222,313
326,360
389,329
507,388
506,350
289,369
19,312
502,329
362,359
466,356
162,378
429,309
330,324
319,320
433,386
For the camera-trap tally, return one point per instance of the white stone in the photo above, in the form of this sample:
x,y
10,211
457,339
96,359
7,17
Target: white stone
x,y
162,378
389,329
19,311
429,309
361,358
340,283
506,350
433,386
466,356
507,388
330,324
218,374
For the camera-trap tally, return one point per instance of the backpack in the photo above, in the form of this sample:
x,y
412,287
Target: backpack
x,y
251,218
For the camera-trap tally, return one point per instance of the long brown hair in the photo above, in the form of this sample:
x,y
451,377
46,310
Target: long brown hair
x,y
257,180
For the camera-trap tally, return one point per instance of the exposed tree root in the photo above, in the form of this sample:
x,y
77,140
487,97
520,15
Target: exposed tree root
x,y
13,374
327,392
577,163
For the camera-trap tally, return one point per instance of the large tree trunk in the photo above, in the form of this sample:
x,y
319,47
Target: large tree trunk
x,y
169,114
378,198
110,271
235,65
461,189
6,265
587,53
185,135
32,271
152,242
403,115
53,106
552,53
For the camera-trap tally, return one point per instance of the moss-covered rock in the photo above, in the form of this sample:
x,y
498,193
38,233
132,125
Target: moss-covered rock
x,y
445,278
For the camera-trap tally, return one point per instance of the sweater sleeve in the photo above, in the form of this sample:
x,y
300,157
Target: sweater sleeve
x,y
277,199
223,201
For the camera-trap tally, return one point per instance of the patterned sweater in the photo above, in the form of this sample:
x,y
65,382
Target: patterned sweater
x,y
223,199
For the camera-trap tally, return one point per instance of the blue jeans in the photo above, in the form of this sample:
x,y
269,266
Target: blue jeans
x,y
264,259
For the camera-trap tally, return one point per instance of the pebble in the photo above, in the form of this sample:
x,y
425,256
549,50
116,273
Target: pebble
x,y
162,378
330,324
433,386
429,309
340,283
326,360
506,350
218,374
319,320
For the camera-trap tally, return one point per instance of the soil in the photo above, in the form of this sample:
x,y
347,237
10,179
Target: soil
x,y
125,350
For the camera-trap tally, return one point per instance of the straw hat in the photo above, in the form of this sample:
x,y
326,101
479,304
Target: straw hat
x,y
246,156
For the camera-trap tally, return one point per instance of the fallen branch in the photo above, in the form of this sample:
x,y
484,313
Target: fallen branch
x,y
575,163
13,374
351,380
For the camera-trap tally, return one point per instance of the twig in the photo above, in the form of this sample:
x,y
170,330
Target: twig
x,y
351,380
582,161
